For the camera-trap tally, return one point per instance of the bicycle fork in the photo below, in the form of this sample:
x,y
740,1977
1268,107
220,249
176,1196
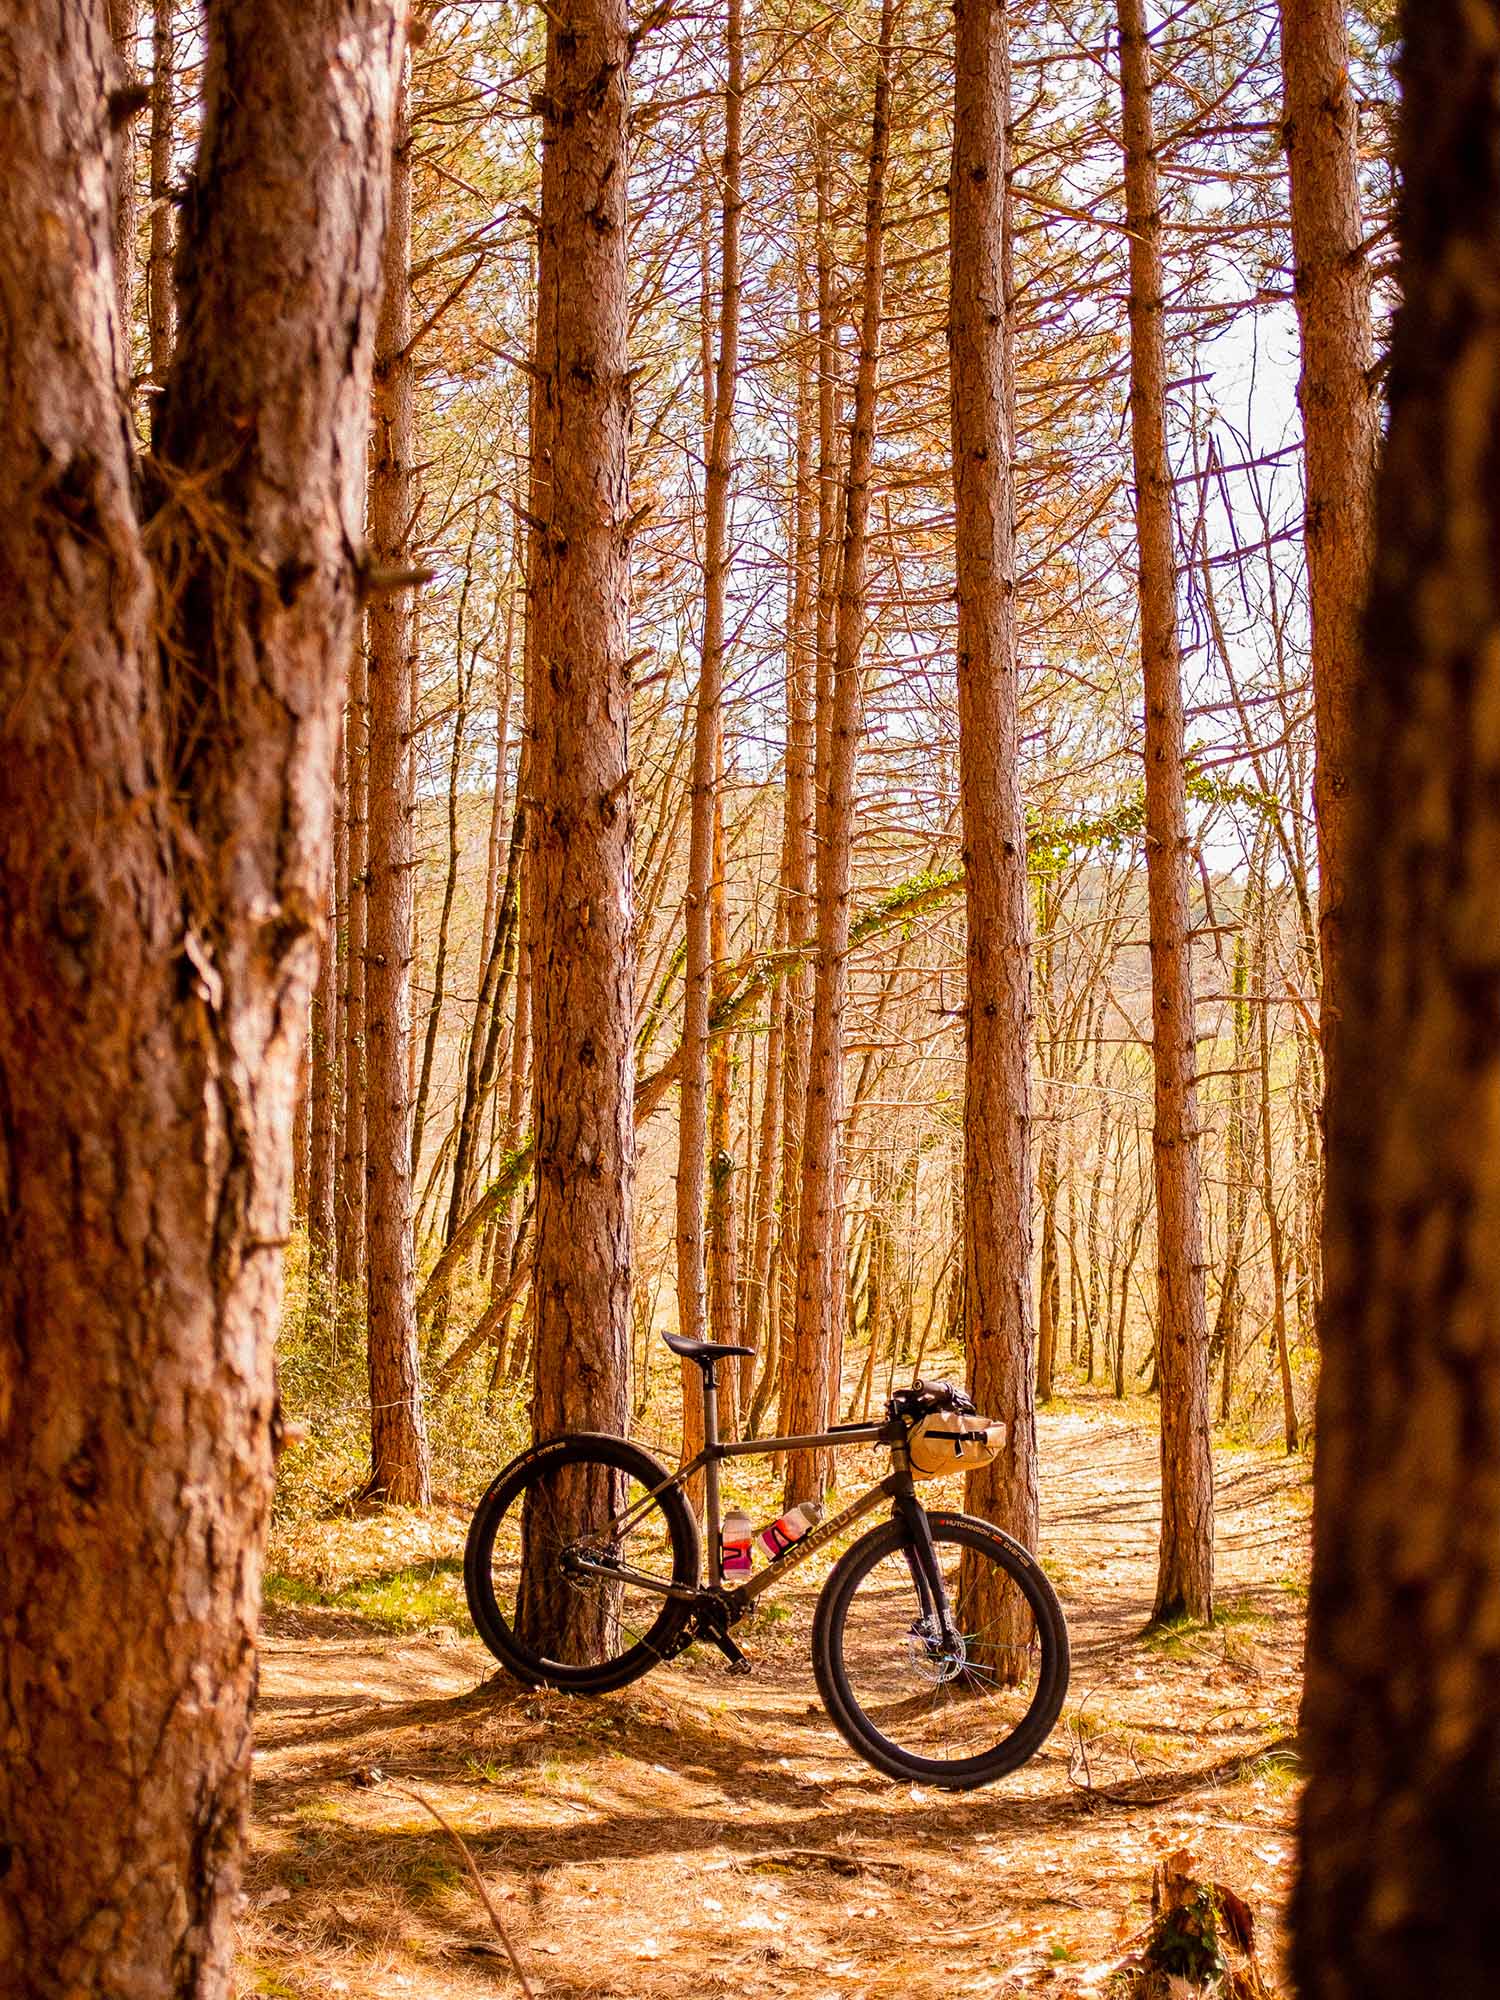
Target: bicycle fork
x,y
926,1572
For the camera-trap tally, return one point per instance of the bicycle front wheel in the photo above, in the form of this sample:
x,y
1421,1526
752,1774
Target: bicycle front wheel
x,y
956,1710
570,1558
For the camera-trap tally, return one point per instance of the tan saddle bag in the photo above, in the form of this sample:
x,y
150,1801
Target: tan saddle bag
x,y
943,1441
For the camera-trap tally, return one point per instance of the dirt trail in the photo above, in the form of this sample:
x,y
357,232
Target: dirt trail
x,y
702,1835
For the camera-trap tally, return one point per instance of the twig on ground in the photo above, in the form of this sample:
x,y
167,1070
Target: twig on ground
x,y
484,1895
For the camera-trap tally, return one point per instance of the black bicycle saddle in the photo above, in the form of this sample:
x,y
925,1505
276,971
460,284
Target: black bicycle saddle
x,y
704,1352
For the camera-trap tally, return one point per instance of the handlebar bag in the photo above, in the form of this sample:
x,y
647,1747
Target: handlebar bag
x,y
947,1441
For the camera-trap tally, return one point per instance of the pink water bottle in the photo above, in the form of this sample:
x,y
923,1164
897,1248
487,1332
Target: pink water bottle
x,y
735,1539
792,1526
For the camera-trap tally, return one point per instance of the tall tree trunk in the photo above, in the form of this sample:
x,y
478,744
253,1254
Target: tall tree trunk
x,y
399,1464
1340,417
463,683
704,831
124,110
583,954
167,730
1225,1341
799,813
351,1215
161,298
323,1136
1274,1239
759,1317
998,1025
722,1215
1049,1278
817,1334
1401,1718
1184,1581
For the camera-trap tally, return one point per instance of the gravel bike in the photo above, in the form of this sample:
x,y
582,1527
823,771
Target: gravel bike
x,y
938,1645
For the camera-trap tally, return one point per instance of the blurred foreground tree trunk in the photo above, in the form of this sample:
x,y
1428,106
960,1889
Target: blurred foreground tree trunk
x,y
171,667
1401,1717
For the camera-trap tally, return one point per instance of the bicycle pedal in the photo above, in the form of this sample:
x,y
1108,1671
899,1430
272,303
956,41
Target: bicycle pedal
x,y
735,1661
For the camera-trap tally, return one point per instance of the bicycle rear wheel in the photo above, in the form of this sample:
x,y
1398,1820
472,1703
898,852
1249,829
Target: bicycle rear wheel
x,y
956,1711
569,1559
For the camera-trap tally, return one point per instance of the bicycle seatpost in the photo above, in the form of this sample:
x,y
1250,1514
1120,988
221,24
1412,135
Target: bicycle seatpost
x,y
711,1471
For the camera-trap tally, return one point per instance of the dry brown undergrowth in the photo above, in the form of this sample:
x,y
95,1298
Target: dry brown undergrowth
x,y
700,1835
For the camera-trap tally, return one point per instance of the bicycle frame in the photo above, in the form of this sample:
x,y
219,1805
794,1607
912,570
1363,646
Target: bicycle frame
x,y
896,1487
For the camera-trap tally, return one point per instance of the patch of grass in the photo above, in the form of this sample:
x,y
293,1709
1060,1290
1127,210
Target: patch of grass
x,y
486,1772
1175,1637
1278,1770
263,1980
413,1599
1240,1611
319,1810
429,1872
1179,1638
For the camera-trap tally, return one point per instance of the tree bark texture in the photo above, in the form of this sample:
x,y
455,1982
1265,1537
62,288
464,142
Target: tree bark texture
x,y
399,1465
171,667
1401,1716
581,891
998,1033
817,1332
1184,1583
1340,418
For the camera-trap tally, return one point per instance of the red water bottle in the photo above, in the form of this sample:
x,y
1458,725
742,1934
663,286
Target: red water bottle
x,y
791,1527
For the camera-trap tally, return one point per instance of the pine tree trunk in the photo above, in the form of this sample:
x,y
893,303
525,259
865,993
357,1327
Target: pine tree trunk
x,y
817,1335
1225,1341
721,1219
323,1135
705,834
998,1029
124,121
1184,1583
759,1317
399,1465
168,723
1340,417
161,298
583,953
1049,1278
351,1215
1401,1717
463,681
799,812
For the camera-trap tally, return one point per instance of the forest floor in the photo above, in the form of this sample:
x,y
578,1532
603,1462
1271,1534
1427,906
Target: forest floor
x,y
700,1835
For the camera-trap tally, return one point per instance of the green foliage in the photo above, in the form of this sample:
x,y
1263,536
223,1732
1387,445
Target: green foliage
x,y
1185,1943
320,1353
